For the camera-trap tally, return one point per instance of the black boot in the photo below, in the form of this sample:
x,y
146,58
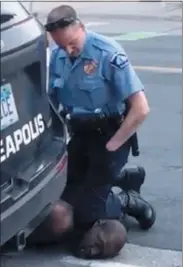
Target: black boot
x,y
131,179
134,205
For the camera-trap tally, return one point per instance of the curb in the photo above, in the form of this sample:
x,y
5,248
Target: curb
x,y
42,16
130,256
73,263
91,11
132,17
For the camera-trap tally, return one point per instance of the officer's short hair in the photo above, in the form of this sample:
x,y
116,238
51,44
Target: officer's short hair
x,y
61,17
104,240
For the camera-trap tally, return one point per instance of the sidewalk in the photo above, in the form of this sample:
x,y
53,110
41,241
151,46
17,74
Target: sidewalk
x,y
123,10
131,256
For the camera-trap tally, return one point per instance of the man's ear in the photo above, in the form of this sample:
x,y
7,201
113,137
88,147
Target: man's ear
x,y
100,222
95,251
82,25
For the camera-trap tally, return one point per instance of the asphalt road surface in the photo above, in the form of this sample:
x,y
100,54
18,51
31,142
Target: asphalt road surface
x,y
160,140
159,136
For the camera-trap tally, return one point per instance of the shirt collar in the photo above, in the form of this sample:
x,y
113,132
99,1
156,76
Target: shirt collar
x,y
87,53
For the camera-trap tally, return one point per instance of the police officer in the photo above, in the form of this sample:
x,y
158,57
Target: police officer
x,y
91,73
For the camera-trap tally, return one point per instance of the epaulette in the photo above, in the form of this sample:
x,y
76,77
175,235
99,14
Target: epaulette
x,y
105,43
54,51
57,52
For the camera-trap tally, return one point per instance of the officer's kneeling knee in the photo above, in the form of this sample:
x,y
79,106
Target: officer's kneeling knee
x,y
61,217
104,240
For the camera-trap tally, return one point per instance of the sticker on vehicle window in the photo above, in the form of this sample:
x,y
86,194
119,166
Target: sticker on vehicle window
x,y
9,114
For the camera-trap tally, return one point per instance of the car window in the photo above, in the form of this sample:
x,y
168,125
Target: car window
x,y
12,13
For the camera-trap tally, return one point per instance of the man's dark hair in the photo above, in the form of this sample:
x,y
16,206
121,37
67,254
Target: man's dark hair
x,y
60,13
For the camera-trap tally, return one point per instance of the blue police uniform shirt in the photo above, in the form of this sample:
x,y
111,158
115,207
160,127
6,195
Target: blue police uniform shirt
x,y
101,76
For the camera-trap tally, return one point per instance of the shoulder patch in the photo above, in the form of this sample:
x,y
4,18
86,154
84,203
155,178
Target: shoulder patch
x,y
119,60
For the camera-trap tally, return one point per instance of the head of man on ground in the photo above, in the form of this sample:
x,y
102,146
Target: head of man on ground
x,y
104,240
66,29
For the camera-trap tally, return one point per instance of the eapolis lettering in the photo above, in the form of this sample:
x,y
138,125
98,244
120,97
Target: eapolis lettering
x,y
11,144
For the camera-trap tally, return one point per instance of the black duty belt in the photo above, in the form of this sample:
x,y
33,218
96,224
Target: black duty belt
x,y
102,124
77,125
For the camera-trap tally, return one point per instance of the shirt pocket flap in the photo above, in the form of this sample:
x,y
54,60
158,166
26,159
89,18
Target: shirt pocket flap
x,y
90,85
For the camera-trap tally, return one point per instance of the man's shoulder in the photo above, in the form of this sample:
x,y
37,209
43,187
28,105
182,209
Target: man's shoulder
x,y
105,43
56,51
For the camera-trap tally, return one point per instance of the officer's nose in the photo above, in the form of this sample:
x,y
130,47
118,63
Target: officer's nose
x,y
70,50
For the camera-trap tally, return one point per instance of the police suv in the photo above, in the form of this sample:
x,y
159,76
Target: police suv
x,y
33,140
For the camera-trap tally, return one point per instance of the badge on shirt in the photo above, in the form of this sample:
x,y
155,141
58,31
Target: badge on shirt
x,y
90,67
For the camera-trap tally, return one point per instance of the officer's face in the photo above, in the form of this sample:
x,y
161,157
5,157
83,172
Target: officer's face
x,y
71,39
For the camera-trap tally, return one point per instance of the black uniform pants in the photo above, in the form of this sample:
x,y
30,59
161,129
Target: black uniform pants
x,y
92,171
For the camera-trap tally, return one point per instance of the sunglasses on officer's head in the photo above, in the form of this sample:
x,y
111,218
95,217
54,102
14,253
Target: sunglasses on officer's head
x,y
62,23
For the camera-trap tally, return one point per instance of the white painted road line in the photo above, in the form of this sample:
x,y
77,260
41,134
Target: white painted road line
x,y
96,23
159,69
135,36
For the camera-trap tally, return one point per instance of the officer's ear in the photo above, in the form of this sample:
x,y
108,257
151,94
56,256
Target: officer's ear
x,y
82,25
